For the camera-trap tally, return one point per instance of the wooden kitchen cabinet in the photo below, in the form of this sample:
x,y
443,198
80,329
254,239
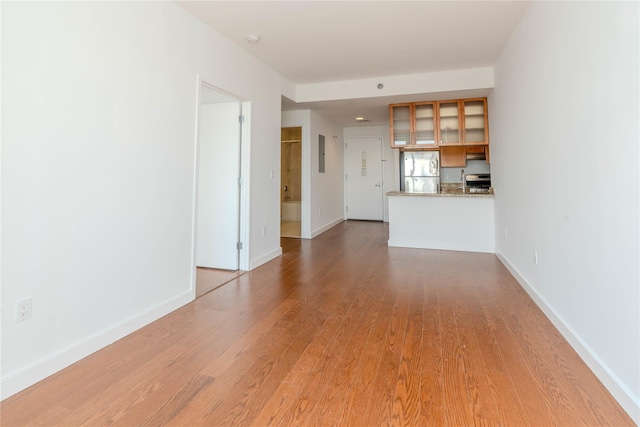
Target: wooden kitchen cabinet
x,y
475,149
425,124
400,124
453,157
413,125
476,123
434,124
449,123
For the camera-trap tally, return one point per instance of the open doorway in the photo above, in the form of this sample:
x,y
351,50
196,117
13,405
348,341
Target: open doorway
x,y
218,219
291,182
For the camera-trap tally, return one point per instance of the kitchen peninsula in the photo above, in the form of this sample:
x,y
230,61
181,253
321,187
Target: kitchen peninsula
x,y
436,140
448,220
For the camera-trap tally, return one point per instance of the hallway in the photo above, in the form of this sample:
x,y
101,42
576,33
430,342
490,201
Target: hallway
x,y
341,330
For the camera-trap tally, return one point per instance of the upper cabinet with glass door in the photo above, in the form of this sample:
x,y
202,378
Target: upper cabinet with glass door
x,y
429,125
401,125
476,129
449,123
425,124
413,125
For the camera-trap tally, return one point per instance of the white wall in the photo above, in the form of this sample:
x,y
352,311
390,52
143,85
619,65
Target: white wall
x,y
327,189
390,157
98,155
564,138
436,82
322,193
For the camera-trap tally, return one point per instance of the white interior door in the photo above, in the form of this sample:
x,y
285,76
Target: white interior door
x,y
218,189
364,178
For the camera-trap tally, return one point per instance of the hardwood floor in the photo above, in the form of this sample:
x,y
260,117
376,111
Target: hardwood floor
x,y
339,331
208,279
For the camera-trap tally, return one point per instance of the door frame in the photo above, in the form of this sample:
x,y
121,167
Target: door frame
x,y
244,167
305,190
382,172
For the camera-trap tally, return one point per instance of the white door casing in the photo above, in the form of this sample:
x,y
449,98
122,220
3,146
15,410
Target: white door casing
x,y
364,182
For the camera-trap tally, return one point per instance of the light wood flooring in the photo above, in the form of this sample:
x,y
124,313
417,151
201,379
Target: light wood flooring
x,y
339,331
290,229
208,279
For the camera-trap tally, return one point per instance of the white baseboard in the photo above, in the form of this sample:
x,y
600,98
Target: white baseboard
x,y
326,227
618,390
19,380
438,246
265,258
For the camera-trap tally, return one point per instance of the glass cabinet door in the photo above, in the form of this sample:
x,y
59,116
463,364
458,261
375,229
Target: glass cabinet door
x,y
475,119
401,116
449,132
425,124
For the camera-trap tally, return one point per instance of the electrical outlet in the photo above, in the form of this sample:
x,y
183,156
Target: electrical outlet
x,y
23,309
506,233
319,211
535,257
264,231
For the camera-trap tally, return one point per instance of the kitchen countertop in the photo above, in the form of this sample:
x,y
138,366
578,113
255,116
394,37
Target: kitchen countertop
x,y
448,189
457,193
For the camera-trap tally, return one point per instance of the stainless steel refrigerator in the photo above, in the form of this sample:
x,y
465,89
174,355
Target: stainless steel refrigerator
x,y
420,171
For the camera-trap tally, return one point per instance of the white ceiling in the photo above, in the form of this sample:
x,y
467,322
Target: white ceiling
x,y
323,41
